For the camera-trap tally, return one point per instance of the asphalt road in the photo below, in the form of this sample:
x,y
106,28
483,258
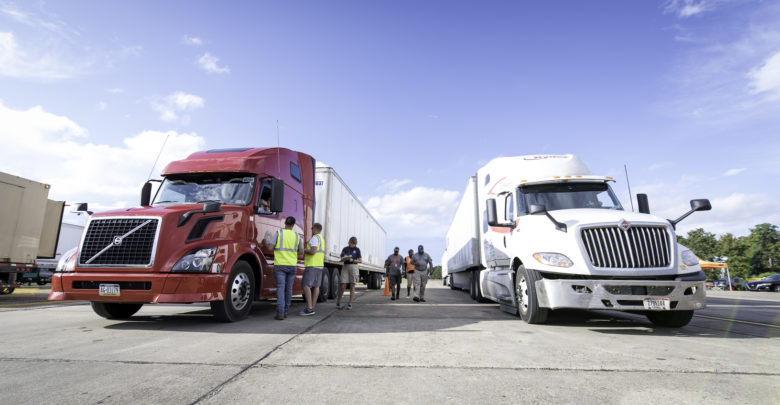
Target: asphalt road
x,y
450,349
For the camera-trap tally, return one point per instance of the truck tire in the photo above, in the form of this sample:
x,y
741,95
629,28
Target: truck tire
x,y
671,319
113,310
239,294
6,290
527,301
334,282
324,287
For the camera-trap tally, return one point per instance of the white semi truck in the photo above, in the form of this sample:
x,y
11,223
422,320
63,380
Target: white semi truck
x,y
538,233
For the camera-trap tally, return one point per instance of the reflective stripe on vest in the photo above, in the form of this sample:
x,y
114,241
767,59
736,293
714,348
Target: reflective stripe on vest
x,y
318,258
409,265
286,249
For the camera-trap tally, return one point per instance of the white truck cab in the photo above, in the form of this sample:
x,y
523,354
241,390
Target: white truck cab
x,y
540,232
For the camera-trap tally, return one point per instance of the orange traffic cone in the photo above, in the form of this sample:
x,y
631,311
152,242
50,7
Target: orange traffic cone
x,y
387,288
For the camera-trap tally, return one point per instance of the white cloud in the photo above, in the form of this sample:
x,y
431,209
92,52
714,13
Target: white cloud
x,y
101,106
193,41
766,78
732,172
115,90
173,107
55,150
25,62
687,8
735,214
208,62
418,212
392,185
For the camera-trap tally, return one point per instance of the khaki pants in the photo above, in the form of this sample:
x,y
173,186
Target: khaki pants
x,y
420,280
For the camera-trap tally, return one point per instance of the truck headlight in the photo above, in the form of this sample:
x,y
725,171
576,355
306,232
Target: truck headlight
x,y
65,263
689,259
553,259
197,261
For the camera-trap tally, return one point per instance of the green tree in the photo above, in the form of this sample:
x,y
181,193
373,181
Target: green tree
x,y
735,248
436,272
764,248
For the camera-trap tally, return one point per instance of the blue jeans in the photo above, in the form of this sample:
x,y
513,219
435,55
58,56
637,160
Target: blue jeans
x,y
284,276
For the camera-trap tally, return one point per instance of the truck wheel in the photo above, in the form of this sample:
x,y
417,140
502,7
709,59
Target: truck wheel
x,y
238,295
334,282
113,310
324,287
6,290
527,301
776,289
673,319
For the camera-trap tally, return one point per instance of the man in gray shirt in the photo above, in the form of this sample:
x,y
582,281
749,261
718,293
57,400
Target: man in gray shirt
x,y
423,267
393,268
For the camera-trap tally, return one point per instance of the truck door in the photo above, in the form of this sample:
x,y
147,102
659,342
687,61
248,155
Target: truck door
x,y
266,225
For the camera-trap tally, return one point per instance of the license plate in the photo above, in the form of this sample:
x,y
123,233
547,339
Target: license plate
x,y
657,304
111,290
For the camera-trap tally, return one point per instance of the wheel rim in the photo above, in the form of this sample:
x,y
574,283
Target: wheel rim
x,y
522,294
240,291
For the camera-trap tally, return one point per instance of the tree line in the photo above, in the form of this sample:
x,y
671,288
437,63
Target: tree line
x,y
754,255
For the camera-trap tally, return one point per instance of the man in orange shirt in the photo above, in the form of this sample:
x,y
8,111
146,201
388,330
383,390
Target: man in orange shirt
x,y
409,267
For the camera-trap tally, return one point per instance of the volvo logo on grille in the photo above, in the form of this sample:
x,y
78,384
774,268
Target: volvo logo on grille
x,y
624,225
117,241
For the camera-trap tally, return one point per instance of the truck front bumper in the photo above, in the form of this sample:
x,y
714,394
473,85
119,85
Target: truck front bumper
x,y
139,287
620,295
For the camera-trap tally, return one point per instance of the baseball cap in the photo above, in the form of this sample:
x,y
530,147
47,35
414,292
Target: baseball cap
x,y
419,248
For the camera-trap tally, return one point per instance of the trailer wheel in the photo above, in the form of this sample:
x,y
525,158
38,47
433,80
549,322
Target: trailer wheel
x,y
672,319
6,290
527,301
113,310
324,286
238,295
334,282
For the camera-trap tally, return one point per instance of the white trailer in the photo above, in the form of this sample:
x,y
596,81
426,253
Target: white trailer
x,y
29,227
342,216
537,233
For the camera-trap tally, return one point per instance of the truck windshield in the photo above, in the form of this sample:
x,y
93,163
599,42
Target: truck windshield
x,y
227,188
562,196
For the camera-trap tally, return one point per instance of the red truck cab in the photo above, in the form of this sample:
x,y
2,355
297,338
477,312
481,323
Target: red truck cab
x,y
207,236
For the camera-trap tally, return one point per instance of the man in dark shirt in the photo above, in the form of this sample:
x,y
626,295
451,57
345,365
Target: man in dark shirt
x,y
394,267
350,274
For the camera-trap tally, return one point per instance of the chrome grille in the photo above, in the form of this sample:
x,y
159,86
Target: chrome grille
x,y
637,247
136,247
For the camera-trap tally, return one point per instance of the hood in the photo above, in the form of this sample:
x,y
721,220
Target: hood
x,y
593,216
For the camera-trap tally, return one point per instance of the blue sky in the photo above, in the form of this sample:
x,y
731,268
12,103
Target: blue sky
x,y
405,99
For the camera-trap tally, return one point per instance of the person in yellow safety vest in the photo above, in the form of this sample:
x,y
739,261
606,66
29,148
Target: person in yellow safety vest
x,y
314,260
288,247
409,267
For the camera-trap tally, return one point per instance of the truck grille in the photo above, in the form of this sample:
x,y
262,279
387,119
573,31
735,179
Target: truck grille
x,y
119,242
637,247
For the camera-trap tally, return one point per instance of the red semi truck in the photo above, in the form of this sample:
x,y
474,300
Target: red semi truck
x,y
208,235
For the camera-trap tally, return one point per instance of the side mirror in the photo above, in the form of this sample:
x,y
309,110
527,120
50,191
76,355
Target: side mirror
x,y
277,195
644,205
79,208
493,215
146,194
701,205
696,205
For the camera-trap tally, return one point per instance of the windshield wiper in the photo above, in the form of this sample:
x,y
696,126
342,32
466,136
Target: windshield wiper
x,y
163,202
